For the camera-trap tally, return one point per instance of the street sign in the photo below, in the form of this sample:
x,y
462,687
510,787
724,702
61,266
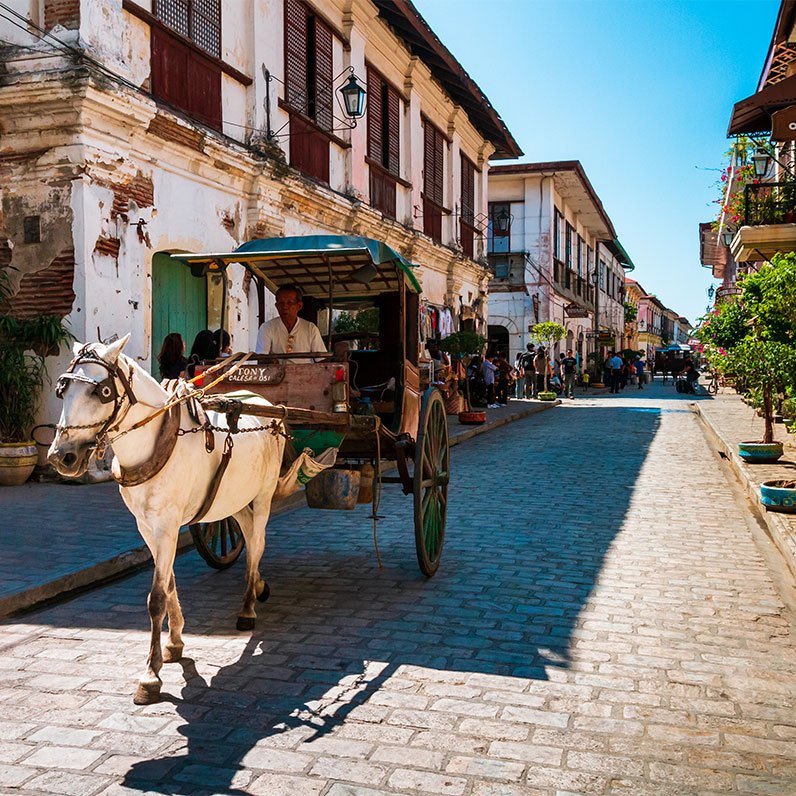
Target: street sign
x,y
574,310
783,124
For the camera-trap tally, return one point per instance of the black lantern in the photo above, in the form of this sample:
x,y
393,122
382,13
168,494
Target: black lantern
x,y
503,221
760,160
353,98
711,292
727,236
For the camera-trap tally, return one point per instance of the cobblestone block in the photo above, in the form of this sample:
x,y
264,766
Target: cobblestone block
x,y
427,782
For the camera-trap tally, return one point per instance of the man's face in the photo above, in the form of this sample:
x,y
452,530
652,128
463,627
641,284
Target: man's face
x,y
288,306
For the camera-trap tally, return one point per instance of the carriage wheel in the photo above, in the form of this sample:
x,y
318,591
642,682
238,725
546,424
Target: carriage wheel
x,y
219,543
431,481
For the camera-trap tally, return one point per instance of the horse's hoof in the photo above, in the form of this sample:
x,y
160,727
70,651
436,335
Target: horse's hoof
x,y
263,593
173,654
147,694
245,623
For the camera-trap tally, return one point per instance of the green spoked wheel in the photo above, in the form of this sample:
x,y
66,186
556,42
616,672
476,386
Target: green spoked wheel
x,y
431,476
219,543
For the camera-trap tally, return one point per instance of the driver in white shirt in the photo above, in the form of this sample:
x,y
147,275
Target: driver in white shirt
x,y
288,333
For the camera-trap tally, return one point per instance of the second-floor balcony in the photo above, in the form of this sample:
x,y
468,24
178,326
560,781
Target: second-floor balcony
x,y
768,223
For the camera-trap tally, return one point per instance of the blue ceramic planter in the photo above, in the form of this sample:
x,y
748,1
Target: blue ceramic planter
x,y
775,498
760,452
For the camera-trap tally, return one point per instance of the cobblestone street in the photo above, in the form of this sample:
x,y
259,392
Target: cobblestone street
x,y
604,621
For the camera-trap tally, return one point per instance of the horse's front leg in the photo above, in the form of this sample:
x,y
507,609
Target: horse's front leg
x,y
162,543
253,524
175,645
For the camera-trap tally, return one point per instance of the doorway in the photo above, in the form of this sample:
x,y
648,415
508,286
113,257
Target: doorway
x,y
498,340
179,304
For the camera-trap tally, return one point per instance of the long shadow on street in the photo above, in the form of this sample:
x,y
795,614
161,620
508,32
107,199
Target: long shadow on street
x,y
534,508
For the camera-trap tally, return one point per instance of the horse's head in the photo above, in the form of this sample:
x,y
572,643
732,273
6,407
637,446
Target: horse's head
x,y
95,386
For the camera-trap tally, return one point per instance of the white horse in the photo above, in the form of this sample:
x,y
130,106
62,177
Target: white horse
x,y
105,392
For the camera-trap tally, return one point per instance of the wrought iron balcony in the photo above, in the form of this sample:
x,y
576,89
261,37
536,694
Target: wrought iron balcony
x,y
769,203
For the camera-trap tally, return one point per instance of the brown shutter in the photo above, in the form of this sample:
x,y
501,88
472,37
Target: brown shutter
x,y
433,169
374,116
324,76
468,190
393,109
296,55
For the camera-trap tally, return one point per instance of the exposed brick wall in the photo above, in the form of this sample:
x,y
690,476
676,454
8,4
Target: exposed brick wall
x,y
62,12
49,291
140,189
108,246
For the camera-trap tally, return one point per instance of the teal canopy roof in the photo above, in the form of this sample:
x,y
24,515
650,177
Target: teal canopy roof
x,y
310,261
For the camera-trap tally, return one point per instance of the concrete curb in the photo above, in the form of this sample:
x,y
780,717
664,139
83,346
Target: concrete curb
x,y
781,529
139,557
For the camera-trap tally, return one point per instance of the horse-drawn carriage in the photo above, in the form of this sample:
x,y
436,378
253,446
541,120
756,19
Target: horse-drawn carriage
x,y
366,397
364,405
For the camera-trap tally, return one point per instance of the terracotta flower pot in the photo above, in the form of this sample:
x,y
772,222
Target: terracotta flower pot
x,y
472,418
17,460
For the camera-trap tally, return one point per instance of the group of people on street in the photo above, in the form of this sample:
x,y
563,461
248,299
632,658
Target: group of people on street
x,y
619,370
533,372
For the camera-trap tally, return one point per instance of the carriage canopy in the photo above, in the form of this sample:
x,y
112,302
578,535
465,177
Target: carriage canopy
x,y
345,264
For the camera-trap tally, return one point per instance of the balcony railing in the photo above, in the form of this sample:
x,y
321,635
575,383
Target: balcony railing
x,y
769,203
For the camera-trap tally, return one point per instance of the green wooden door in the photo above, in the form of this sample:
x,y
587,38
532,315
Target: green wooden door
x,y
179,304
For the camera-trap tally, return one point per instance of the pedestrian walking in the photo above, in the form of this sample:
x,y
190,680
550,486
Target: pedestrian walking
x,y
541,367
616,371
503,377
638,366
528,373
519,379
488,370
569,368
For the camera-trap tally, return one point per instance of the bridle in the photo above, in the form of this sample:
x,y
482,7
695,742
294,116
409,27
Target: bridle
x,y
105,390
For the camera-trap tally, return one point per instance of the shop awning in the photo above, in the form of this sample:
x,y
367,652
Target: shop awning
x,y
753,114
618,251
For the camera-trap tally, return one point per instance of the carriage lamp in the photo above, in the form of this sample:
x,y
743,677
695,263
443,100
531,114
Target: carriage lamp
x,y
760,161
727,236
353,98
711,292
340,391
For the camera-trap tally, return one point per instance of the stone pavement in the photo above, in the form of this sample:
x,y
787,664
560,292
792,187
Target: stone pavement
x,y
60,537
731,421
592,629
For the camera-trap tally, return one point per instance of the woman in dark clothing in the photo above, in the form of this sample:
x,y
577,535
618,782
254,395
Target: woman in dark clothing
x,y
172,357
204,348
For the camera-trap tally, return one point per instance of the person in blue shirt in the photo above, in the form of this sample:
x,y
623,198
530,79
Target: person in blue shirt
x,y
616,371
638,366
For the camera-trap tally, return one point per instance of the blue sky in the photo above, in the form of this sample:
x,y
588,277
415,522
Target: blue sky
x,y
640,91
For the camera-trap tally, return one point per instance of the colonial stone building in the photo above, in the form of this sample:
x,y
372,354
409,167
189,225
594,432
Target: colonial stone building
x,y
136,128
554,256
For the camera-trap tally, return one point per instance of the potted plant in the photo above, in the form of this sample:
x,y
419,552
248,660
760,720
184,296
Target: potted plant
x,y
23,345
767,367
460,346
547,334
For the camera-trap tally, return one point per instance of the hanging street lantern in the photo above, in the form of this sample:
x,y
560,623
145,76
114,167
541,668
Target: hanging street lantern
x,y
727,237
503,221
760,160
353,98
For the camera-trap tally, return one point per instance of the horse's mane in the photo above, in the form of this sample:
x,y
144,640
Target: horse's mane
x,y
146,389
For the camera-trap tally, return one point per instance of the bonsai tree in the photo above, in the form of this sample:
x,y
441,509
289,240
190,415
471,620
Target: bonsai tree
x,y
23,345
461,345
547,334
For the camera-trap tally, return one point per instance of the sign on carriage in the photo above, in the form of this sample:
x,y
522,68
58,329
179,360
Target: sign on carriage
x,y
258,374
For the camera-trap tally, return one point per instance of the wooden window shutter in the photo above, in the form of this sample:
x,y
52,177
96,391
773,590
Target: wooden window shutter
x,y
296,55
324,76
468,191
393,127
433,169
375,143
196,20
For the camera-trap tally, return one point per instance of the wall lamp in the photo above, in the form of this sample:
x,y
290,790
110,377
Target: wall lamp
x,y
711,292
727,236
352,94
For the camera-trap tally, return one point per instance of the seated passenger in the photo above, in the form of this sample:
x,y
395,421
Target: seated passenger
x,y
288,333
